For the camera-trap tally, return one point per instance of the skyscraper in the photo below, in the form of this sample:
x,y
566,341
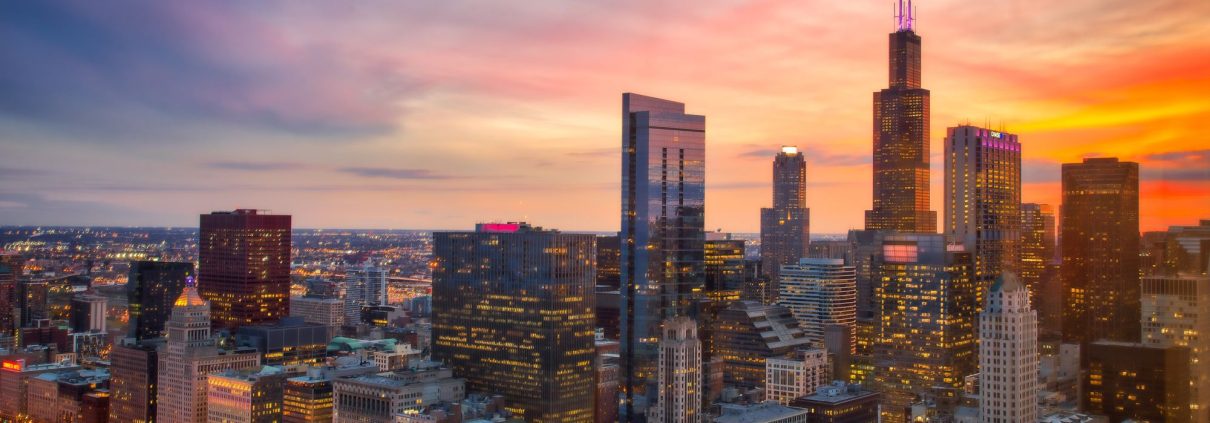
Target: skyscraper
x,y
88,312
820,292
785,229
663,214
901,130
188,357
680,374
1039,268
365,285
1176,312
925,341
748,333
1008,354
1100,237
513,314
249,395
983,199
151,287
244,266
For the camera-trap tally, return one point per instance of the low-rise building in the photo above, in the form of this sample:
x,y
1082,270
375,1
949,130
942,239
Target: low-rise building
x,y
767,412
382,396
250,395
796,375
840,403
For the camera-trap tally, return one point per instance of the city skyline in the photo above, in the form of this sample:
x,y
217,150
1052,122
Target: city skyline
x,y
130,135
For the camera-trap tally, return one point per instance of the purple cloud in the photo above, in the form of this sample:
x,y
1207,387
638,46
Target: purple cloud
x,y
392,173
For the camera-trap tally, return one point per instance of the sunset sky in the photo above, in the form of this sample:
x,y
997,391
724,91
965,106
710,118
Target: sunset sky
x,y
440,114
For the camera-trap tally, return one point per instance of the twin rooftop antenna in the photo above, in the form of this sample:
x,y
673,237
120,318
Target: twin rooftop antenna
x,y
905,16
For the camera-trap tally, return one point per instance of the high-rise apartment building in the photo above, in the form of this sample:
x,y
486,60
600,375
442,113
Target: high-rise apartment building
x,y
188,357
748,333
795,375
820,292
244,266
319,310
925,340
663,214
901,131
785,228
365,285
249,395
1176,312
1099,224
1135,382
983,199
680,374
1008,354
1039,268
513,314
151,287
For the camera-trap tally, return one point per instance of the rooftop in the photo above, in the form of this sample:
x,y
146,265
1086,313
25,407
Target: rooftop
x,y
758,413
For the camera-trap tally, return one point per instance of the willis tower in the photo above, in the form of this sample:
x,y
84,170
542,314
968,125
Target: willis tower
x,y
901,146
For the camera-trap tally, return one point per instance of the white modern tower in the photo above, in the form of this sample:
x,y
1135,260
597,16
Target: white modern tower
x,y
365,285
819,292
680,374
1008,354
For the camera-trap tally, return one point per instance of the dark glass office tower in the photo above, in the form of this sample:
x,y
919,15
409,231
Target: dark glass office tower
x,y
785,229
151,287
1039,268
901,144
513,314
244,267
1099,225
663,210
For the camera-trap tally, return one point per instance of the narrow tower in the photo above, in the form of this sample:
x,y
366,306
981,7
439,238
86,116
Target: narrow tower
x,y
1008,354
785,228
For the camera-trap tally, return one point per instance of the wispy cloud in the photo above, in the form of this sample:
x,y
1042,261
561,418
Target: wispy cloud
x,y
257,166
393,173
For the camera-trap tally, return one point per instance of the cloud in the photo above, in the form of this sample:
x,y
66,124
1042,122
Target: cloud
x,y
132,67
256,166
817,157
392,173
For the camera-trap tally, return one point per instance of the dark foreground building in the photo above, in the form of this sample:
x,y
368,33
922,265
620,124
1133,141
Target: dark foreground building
x,y
513,314
1132,381
151,287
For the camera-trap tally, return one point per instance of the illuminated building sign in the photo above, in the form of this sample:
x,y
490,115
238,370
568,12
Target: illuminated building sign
x,y
14,365
500,227
900,253
995,134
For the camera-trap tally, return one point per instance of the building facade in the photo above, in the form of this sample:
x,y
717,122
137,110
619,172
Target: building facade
x,y
840,403
785,228
1176,312
251,395
1008,354
1123,381
820,292
134,368
983,199
1100,246
680,374
365,285
322,311
244,266
796,375
513,314
151,287
1039,268
189,355
901,147
379,398
662,234
748,333
925,340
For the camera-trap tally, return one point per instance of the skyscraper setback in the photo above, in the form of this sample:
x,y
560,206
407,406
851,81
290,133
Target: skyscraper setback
x,y
901,147
244,266
785,229
663,214
1100,247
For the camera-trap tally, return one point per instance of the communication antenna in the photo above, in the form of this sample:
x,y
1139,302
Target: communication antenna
x,y
905,16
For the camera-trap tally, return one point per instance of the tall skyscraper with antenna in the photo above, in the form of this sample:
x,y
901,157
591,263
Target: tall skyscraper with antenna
x,y
901,129
785,228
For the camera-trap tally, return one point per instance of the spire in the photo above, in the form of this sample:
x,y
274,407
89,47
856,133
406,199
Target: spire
x,y
905,16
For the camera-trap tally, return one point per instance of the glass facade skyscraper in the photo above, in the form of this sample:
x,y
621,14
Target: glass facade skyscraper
x,y
983,199
1099,224
901,147
663,210
925,343
513,314
151,288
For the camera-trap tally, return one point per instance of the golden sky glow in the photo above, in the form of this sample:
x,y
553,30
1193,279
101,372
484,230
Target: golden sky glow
x,y
442,114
